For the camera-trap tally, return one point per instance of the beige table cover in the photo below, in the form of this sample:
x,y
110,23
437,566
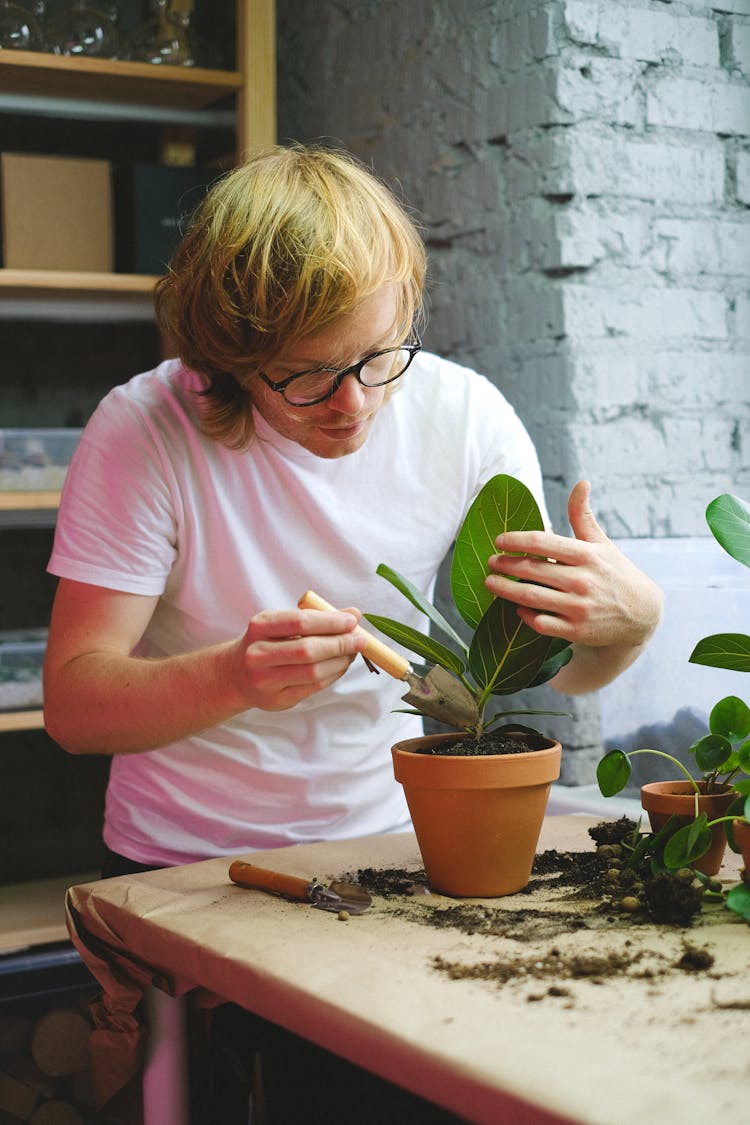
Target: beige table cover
x,y
653,1042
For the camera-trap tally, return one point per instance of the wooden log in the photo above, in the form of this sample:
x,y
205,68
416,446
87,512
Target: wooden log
x,y
24,1069
60,1042
56,1113
16,1098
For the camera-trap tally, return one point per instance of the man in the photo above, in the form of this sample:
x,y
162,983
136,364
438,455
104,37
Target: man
x,y
301,437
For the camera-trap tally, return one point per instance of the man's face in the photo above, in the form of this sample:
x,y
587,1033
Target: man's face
x,y
341,424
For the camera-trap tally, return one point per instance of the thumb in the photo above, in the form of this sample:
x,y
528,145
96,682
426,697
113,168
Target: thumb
x,y
582,519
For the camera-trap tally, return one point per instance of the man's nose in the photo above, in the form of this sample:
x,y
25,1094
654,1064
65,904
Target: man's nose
x,y
349,397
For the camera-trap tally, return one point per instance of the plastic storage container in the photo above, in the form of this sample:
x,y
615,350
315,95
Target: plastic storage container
x,y
21,670
35,460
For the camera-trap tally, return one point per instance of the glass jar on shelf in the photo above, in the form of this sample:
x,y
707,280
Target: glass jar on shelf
x,y
167,38
20,29
84,29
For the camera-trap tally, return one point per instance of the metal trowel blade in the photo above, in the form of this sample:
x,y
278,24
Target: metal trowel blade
x,y
442,696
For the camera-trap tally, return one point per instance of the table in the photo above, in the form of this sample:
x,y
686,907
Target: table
x,y
653,1041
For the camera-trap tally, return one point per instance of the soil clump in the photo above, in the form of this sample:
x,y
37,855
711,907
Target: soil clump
x,y
510,739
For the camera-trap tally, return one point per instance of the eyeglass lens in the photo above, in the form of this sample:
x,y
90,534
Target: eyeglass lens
x,y
318,385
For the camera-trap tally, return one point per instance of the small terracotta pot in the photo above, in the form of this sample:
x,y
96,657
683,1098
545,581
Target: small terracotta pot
x,y
662,799
477,818
741,832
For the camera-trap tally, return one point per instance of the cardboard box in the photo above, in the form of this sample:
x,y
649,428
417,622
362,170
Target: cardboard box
x,y
153,203
56,213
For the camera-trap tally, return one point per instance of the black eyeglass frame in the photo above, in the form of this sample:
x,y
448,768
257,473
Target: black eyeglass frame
x,y
339,376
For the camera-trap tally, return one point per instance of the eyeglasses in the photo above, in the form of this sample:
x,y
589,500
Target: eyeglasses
x,y
311,387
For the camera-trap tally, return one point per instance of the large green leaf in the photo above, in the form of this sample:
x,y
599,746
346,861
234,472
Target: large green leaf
x,y
730,717
424,646
711,752
613,772
503,504
560,652
505,654
723,650
743,756
415,596
688,844
738,900
729,520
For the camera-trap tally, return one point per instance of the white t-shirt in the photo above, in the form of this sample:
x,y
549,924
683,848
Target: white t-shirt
x,y
151,506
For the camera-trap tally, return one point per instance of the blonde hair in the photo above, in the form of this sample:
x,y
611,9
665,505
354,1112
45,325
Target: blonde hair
x,y
283,246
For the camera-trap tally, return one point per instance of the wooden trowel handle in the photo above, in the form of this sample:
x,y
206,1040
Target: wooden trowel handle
x,y
386,658
259,879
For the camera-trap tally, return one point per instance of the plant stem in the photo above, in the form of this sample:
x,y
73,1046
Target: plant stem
x,y
674,761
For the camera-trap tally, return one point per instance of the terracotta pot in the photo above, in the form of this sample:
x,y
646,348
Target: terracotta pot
x,y
662,799
477,818
741,832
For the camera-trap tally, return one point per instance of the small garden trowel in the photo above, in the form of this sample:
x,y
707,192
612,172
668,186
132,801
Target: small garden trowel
x,y
336,897
438,693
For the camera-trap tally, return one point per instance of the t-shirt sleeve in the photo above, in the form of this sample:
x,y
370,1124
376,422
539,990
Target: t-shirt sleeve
x,y
118,512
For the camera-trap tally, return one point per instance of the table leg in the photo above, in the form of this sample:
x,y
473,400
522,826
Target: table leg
x,y
165,1083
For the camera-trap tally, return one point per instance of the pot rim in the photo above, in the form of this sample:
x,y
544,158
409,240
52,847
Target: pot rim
x,y
678,787
475,771
402,747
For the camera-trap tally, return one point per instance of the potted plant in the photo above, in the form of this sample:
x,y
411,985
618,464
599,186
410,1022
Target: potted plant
x,y
728,518
704,808
477,796
698,805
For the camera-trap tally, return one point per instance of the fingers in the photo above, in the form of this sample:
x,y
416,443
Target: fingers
x,y
582,519
562,548
270,624
288,655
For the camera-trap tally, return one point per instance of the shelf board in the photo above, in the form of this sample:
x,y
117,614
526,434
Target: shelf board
x,y
21,720
34,913
127,83
28,501
75,295
80,282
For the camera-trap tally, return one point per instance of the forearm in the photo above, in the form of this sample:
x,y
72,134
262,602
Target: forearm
x,y
591,668
109,703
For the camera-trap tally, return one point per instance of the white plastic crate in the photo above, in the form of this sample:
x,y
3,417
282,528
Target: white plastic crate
x,y
21,670
35,460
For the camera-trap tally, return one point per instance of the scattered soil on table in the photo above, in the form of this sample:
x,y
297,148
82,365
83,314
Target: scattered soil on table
x,y
583,891
600,875
557,965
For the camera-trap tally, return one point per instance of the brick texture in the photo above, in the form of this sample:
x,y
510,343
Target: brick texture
x,y
582,172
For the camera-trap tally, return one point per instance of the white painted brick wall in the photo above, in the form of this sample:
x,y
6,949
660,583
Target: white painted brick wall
x,y
743,177
644,314
722,107
603,161
643,32
707,246
739,46
582,169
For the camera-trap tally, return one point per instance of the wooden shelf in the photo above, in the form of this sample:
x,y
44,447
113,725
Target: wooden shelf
x,y
80,280
28,501
81,283
34,913
127,83
21,720
67,294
